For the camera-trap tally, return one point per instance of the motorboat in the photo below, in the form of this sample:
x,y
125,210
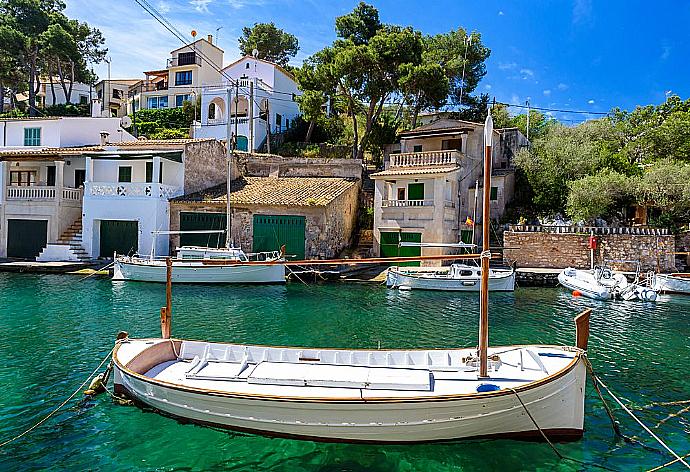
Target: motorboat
x,y
601,283
456,277
671,283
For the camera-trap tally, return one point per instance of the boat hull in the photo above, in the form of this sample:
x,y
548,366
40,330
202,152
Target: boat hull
x,y
503,283
196,272
556,404
671,284
583,285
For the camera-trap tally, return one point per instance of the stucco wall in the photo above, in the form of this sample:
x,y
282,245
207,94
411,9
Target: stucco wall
x,y
263,165
537,249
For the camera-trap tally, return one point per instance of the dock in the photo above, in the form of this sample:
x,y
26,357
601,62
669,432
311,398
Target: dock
x,y
42,267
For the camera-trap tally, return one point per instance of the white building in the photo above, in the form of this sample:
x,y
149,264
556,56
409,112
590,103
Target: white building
x,y
113,96
57,132
262,96
81,94
426,192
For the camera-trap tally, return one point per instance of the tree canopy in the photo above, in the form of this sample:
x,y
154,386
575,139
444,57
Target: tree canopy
x,y
272,43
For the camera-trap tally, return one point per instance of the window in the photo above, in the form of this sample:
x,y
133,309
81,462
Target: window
x,y
211,111
417,148
149,172
401,193
32,136
179,99
246,66
158,102
493,195
117,94
79,177
287,123
124,174
184,77
22,178
447,144
415,191
279,122
83,99
186,58
50,178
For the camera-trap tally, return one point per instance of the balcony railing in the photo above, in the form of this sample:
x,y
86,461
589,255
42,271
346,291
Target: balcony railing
x,y
153,87
223,121
132,190
44,193
425,158
407,203
597,230
184,61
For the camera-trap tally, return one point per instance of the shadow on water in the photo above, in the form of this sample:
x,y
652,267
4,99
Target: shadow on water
x,y
56,330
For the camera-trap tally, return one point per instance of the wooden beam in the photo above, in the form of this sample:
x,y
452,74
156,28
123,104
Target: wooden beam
x,y
582,329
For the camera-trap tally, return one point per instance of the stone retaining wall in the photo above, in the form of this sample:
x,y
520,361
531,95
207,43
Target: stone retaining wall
x,y
549,250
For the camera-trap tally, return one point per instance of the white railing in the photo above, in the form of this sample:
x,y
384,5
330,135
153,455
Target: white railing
x,y
407,203
131,190
223,121
598,230
73,194
425,158
30,193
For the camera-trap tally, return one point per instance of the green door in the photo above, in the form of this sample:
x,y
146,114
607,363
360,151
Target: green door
x,y
466,237
192,221
272,231
120,236
242,143
415,191
26,238
390,246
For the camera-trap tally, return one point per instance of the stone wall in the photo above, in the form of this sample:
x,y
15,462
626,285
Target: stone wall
x,y
205,165
270,165
551,250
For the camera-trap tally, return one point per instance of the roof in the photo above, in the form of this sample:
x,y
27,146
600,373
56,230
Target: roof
x,y
277,66
193,43
442,126
147,143
120,155
271,191
128,82
415,171
45,153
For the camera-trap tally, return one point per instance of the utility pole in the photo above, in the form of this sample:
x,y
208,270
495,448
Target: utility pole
x,y
237,101
230,147
268,128
250,148
528,110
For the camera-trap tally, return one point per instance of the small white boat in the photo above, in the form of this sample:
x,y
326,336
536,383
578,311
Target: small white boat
x,y
373,396
205,265
671,283
457,277
601,283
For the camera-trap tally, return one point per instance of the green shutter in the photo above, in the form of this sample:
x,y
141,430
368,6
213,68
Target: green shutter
x,y
242,143
195,221
124,174
149,172
415,191
32,136
389,246
494,193
273,231
120,236
26,238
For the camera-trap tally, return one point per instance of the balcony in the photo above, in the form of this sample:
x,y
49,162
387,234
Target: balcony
x,y
131,190
426,158
184,60
407,203
153,86
42,193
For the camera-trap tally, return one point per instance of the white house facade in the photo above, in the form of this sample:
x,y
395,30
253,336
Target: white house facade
x,y
261,96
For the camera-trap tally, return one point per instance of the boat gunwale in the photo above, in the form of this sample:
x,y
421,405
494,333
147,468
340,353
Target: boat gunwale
x,y
509,273
579,354
200,262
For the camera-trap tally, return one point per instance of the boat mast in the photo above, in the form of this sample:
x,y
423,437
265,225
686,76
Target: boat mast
x,y
230,149
486,254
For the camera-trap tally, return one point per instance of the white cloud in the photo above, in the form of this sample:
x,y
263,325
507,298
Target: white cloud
x,y
582,11
515,99
201,5
527,72
507,65
500,13
591,102
547,92
665,53
239,4
163,7
487,87
562,86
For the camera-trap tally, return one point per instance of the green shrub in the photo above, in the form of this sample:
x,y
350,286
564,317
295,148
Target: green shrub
x,y
67,109
169,133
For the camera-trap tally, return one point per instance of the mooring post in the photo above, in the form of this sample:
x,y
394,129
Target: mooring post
x,y
166,311
582,329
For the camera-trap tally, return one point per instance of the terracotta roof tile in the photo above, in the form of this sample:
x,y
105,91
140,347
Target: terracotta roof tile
x,y
415,171
269,191
159,142
29,153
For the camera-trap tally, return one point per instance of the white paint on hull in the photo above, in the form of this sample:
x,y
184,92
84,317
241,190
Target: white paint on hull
x,y
197,272
499,280
671,284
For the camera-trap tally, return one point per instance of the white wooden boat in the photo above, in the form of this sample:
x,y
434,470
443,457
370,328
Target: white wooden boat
x,y
400,396
671,283
456,277
371,396
205,265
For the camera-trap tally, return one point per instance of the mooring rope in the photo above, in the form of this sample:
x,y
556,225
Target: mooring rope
x,y
552,445
59,407
663,466
649,431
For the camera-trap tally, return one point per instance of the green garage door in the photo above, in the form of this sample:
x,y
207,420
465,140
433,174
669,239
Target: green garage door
x,y
26,238
390,248
120,236
192,221
271,232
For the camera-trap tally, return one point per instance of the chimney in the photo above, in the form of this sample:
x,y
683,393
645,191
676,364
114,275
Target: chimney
x,y
104,137
210,38
96,108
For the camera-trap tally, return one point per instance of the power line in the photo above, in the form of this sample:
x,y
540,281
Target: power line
x,y
554,109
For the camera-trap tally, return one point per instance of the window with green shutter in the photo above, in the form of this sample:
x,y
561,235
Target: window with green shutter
x,y
494,193
415,191
149,172
124,174
32,136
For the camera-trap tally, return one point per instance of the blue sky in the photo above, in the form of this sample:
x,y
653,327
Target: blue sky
x,y
564,54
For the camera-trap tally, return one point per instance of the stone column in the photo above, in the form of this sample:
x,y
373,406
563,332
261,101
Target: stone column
x,y
156,178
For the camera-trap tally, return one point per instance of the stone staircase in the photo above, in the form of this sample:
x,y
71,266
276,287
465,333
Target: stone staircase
x,y
68,246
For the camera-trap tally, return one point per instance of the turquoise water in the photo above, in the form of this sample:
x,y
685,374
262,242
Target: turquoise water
x,y
55,330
